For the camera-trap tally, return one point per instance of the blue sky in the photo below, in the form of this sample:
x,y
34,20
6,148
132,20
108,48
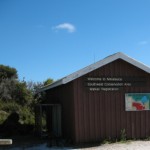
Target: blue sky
x,y
53,38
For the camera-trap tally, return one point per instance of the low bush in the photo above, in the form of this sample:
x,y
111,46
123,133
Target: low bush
x,y
9,107
26,114
3,116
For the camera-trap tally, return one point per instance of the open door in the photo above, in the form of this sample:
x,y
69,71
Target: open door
x,y
48,119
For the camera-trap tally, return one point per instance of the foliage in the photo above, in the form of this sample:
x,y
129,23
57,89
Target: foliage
x,y
107,141
26,116
26,113
3,116
18,96
121,139
123,135
9,106
33,86
21,94
48,81
14,90
7,72
7,87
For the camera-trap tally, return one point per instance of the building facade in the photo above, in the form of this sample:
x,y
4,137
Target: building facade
x,y
103,99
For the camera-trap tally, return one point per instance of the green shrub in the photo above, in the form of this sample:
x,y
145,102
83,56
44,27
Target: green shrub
x,y
26,114
123,135
3,116
10,107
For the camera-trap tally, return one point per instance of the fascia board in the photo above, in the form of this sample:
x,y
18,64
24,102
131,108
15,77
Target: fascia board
x,y
135,63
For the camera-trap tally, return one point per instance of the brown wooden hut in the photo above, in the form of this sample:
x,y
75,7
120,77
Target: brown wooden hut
x,y
100,100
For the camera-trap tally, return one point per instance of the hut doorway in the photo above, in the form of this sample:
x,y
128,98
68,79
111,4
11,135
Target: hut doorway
x,y
48,120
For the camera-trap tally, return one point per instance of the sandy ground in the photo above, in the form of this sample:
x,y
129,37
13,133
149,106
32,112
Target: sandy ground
x,y
134,145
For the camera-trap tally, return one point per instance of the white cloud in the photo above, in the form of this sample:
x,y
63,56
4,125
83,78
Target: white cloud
x,y
65,26
143,42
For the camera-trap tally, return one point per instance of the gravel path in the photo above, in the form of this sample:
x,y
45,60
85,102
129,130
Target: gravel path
x,y
134,145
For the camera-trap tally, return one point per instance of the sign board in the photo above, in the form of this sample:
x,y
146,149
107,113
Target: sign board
x,y
137,101
112,83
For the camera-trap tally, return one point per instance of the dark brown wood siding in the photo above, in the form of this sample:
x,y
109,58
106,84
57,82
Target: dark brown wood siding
x,y
100,114
64,96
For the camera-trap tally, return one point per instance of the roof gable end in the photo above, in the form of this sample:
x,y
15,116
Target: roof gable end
x,y
95,66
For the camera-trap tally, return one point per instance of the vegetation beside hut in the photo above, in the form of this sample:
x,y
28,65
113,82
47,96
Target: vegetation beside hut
x,y
17,101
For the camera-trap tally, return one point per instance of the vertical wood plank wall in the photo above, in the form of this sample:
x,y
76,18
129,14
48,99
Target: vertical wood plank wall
x,y
100,115
64,96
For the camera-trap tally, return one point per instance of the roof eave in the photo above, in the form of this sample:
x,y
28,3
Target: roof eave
x,y
50,86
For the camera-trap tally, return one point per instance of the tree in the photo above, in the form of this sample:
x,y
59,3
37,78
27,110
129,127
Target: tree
x,y
21,94
7,72
7,87
8,76
33,86
11,89
17,95
48,81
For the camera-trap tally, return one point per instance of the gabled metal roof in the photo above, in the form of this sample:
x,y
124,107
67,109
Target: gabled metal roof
x,y
95,66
